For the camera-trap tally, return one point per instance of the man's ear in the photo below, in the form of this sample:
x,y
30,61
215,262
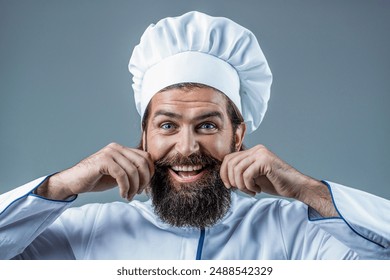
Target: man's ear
x,y
239,136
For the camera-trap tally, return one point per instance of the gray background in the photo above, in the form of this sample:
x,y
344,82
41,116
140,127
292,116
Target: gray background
x,y
65,91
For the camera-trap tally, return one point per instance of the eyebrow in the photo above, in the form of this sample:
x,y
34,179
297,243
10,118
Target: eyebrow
x,y
209,115
167,114
178,116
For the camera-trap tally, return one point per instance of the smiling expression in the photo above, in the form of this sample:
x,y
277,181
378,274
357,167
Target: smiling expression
x,y
189,121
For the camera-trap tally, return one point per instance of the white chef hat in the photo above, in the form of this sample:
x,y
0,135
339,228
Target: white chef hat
x,y
198,48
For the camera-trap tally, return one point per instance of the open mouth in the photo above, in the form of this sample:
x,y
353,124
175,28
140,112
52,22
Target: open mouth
x,y
187,173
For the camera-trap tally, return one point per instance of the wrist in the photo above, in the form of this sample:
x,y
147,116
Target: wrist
x,y
316,194
53,188
309,189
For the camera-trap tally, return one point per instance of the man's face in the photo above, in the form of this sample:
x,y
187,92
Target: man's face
x,y
188,134
189,121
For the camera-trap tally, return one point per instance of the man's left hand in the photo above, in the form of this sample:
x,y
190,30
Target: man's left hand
x,y
259,170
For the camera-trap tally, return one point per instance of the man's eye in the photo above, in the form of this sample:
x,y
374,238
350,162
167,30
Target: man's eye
x,y
207,126
167,126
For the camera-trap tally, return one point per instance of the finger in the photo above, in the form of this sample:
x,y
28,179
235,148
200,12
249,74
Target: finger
x,y
142,165
239,169
227,166
233,165
113,152
223,172
230,171
116,171
140,159
132,174
249,176
145,157
245,190
266,185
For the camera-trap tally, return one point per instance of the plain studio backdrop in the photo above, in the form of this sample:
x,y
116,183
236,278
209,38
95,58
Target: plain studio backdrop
x,y
65,91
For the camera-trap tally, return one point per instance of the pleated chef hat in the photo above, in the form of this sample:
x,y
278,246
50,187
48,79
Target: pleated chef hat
x,y
198,48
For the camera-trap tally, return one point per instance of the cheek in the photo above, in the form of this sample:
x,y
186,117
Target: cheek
x,y
218,147
157,146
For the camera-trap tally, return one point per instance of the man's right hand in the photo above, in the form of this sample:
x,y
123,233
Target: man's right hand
x,y
114,165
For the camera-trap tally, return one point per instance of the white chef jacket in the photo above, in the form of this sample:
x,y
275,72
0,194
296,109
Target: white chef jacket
x,y
33,227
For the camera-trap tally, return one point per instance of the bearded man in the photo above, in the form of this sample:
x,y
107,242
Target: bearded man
x,y
201,83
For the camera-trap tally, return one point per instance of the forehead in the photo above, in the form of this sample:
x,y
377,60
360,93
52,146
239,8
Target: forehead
x,y
189,100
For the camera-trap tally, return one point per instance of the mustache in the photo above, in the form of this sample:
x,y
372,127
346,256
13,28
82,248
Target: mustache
x,y
193,159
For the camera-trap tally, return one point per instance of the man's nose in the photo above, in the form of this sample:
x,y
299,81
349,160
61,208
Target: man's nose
x,y
187,142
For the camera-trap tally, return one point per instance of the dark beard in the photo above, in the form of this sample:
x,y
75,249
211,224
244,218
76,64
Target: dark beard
x,y
200,204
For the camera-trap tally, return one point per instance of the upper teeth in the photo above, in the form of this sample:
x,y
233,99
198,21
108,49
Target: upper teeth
x,y
187,168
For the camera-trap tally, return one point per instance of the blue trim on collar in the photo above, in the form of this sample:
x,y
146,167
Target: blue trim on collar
x,y
200,244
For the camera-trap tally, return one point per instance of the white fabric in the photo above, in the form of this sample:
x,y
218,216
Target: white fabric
x,y
218,52
252,229
163,74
